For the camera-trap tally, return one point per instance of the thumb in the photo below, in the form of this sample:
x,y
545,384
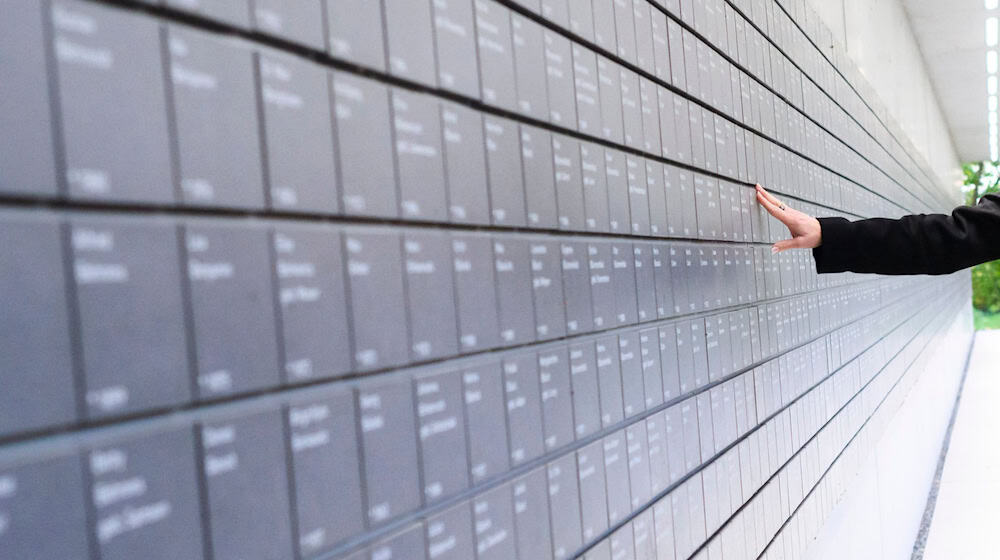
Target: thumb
x,y
795,243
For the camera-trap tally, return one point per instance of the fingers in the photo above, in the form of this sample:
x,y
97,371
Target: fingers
x,y
773,209
768,195
795,243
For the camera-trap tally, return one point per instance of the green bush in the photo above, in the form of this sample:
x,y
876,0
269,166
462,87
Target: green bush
x,y
983,178
986,287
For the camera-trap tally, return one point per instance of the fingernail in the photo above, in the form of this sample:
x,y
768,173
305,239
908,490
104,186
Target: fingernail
x,y
774,249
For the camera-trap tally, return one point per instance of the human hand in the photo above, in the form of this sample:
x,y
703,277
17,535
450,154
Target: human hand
x,y
805,230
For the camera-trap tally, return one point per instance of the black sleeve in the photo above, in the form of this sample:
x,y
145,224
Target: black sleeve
x,y
915,244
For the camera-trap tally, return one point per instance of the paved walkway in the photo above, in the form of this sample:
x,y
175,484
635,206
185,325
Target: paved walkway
x,y
966,522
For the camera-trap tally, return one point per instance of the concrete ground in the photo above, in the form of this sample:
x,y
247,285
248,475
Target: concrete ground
x,y
966,519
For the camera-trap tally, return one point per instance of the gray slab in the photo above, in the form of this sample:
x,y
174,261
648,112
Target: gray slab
x,y
564,506
112,104
680,278
49,489
673,425
449,534
364,139
531,515
410,40
661,46
675,40
685,184
697,136
215,115
663,280
232,307
547,287
559,74
539,177
618,197
529,66
616,473
685,357
631,108
455,39
682,126
623,280
594,177
309,271
645,283
644,56
633,391
298,22
163,465
622,543
659,475
496,55
644,536
557,397
689,427
585,389
524,407
355,32
587,90
593,490
408,544
568,182
298,132
232,12
378,312
127,277
600,551
441,429
609,85
503,157
430,294
36,363
493,520
465,164
326,467
27,159
475,291
556,11
651,120
512,263
652,374
609,379
581,19
576,288
246,486
625,30
483,392
389,448
638,195
604,26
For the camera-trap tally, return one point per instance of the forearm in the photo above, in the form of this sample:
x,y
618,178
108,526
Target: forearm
x,y
914,244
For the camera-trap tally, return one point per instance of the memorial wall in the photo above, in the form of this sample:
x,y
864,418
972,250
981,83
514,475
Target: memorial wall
x,y
438,279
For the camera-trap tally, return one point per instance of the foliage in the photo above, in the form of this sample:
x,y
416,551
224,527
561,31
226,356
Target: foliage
x,y
986,321
983,178
980,178
986,287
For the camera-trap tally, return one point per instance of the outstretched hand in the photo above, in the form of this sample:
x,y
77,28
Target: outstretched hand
x,y
805,229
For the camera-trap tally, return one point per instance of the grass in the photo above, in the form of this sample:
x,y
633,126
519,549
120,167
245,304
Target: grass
x,y
985,320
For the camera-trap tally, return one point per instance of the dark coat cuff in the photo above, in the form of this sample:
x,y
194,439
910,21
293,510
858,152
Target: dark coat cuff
x,y
835,253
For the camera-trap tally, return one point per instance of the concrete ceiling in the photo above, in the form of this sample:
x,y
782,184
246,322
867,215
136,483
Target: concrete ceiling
x,y
951,35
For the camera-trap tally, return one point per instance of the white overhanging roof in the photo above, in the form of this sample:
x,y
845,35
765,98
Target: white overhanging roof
x,y
952,38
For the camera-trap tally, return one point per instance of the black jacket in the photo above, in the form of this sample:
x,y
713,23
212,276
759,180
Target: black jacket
x,y
915,244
